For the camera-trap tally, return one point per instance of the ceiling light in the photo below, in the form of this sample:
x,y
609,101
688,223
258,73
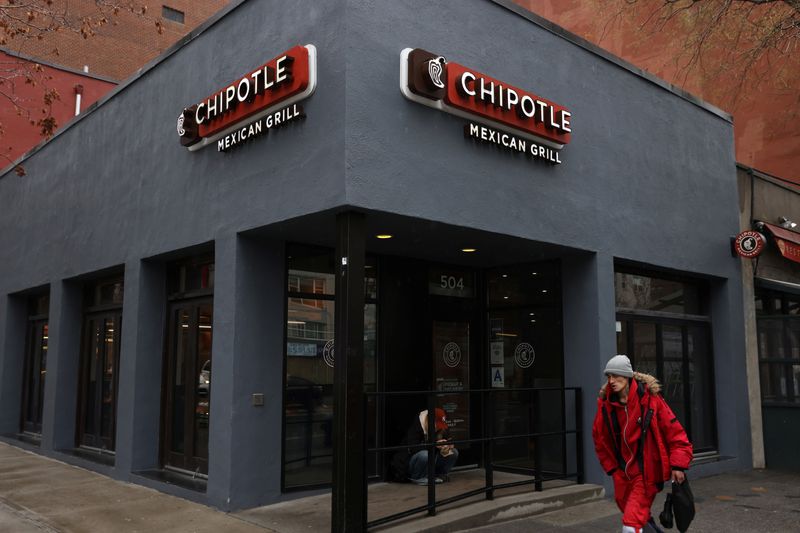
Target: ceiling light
x,y
544,290
505,297
534,273
531,314
469,250
505,275
384,236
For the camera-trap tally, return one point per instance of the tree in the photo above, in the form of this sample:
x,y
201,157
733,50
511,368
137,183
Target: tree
x,y
25,21
735,46
740,55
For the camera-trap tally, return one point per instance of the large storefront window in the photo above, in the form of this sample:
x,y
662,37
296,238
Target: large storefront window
x,y
188,369
778,324
664,327
35,367
99,365
525,351
310,355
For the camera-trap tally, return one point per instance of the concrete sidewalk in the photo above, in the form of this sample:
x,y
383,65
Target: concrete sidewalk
x,y
39,494
42,494
757,501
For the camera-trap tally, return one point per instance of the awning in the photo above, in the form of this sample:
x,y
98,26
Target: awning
x,y
788,242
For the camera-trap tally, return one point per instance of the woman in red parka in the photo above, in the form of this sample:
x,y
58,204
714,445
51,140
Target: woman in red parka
x,y
638,441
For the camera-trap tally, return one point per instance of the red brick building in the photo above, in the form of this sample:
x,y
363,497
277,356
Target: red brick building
x,y
765,110
68,59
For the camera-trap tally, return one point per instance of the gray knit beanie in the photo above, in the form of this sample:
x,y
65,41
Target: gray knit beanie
x,y
619,365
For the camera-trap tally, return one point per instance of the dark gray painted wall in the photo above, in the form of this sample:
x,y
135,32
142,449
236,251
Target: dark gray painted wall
x,y
648,177
118,185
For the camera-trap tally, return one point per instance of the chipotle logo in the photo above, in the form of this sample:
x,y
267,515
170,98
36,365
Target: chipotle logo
x,y
269,89
431,80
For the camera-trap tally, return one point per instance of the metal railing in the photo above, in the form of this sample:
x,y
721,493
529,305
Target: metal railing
x,y
488,440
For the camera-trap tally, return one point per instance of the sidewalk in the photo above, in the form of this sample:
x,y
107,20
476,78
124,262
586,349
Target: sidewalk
x,y
758,501
39,494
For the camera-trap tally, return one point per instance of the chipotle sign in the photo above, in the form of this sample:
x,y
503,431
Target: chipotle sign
x,y
271,89
507,115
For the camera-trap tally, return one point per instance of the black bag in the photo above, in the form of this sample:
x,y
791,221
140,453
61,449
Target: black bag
x,y
682,504
666,515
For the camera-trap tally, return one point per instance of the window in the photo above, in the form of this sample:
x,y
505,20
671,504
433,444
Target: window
x,y
310,353
35,368
187,386
97,400
778,326
172,14
663,326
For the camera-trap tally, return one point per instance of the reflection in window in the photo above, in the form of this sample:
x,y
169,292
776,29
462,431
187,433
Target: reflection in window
x,y
778,327
635,291
310,356
672,348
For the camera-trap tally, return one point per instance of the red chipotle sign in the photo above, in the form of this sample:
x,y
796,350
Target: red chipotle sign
x,y
517,119
749,244
268,90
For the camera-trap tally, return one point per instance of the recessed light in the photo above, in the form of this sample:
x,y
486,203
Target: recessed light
x,y
532,321
534,273
532,314
384,236
505,297
544,290
469,250
505,275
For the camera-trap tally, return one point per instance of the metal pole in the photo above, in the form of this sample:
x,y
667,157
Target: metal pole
x,y
348,509
579,433
432,401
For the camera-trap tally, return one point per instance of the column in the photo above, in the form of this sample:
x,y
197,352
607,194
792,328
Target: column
x,y
589,340
13,324
349,481
247,381
63,364
140,365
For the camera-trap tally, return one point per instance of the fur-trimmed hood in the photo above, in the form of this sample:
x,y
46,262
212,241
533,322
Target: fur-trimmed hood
x,y
652,384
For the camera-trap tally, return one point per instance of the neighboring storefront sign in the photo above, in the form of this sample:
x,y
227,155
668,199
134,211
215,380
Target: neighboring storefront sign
x,y
787,241
749,244
788,249
252,105
504,115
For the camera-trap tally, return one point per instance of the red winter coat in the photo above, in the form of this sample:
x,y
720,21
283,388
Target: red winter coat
x,y
666,446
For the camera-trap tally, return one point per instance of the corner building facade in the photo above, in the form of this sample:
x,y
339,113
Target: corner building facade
x,y
131,264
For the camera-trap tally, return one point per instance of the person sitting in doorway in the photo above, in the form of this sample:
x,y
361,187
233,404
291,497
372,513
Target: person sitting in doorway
x,y
411,463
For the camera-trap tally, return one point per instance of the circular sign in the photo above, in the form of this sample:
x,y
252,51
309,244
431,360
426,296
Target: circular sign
x,y
451,354
524,355
749,244
327,353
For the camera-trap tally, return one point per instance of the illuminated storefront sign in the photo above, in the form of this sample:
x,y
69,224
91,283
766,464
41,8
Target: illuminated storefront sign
x,y
509,117
268,92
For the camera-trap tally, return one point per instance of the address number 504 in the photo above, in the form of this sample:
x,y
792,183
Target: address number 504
x,y
451,282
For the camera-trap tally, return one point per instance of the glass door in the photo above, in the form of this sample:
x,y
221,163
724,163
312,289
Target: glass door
x,y
188,386
454,349
35,370
99,378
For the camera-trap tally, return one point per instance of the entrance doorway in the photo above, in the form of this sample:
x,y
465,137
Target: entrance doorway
x,y
188,385
99,378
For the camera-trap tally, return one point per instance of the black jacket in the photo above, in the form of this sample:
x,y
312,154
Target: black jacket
x,y
415,441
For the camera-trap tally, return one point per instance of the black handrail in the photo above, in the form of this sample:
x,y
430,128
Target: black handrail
x,y
487,403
